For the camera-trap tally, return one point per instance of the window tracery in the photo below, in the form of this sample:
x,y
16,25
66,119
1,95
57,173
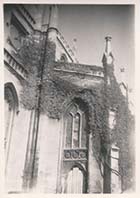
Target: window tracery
x,y
75,152
74,128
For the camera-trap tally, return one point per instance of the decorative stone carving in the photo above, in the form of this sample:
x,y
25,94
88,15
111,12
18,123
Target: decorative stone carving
x,y
75,154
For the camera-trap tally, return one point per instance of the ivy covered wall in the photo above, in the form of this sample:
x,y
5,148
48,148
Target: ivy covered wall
x,y
37,54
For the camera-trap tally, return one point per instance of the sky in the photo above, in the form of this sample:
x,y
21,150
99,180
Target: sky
x,y
89,24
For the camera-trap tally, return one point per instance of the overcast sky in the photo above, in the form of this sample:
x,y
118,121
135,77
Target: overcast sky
x,y
89,24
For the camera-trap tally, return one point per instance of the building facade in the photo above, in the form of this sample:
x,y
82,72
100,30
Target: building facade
x,y
60,116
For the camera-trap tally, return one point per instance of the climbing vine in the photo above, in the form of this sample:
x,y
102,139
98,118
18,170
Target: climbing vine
x,y
57,92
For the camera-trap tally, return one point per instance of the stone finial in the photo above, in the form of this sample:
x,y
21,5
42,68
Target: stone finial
x,y
108,44
108,57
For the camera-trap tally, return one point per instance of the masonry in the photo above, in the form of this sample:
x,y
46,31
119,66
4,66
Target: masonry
x,y
64,125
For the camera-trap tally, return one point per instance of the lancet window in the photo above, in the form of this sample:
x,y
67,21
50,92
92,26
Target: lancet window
x,y
74,127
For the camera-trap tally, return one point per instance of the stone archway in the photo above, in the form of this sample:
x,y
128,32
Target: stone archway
x,y
75,148
75,181
81,154
11,108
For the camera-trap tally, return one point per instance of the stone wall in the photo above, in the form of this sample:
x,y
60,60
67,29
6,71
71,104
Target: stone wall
x,y
19,134
48,153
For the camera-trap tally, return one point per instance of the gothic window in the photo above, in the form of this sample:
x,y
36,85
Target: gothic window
x,y
11,105
75,153
74,128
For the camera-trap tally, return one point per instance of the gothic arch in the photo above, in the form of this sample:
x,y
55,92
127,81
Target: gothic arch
x,y
81,99
75,147
80,166
11,110
75,181
12,88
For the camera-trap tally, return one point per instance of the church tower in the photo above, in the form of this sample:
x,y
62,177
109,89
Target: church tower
x,y
59,47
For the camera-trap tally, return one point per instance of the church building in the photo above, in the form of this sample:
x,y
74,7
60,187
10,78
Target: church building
x,y
67,124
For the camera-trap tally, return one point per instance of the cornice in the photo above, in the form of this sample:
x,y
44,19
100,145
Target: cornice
x,y
86,70
20,13
13,64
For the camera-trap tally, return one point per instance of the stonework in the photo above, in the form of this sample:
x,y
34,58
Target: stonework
x,y
54,155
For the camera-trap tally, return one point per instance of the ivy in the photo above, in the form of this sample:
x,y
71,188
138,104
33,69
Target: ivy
x,y
56,93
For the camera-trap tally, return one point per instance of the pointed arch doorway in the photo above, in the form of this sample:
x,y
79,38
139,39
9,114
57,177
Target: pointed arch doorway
x,y
75,181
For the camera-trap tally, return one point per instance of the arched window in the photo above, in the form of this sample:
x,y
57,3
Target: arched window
x,y
73,127
11,107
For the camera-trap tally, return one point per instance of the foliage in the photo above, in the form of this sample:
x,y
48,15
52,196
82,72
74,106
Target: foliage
x,y
38,56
